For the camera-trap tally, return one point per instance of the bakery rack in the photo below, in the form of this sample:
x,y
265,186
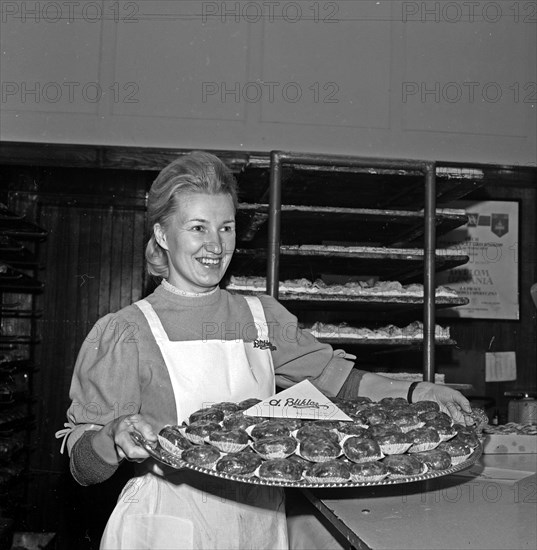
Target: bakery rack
x,y
19,287
390,207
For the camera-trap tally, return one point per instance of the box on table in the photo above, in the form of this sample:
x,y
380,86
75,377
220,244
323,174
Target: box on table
x,y
509,444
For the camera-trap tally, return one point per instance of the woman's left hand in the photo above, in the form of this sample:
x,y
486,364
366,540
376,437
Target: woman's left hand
x,y
451,401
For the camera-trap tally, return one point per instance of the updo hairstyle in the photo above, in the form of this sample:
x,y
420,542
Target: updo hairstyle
x,y
195,172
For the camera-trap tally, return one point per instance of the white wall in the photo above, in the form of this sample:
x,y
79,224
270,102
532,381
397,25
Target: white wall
x,y
448,80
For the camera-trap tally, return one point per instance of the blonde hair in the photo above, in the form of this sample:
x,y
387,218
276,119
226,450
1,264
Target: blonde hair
x,y
195,172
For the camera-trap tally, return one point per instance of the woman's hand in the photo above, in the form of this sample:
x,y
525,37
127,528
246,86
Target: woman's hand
x,y
126,447
114,442
451,401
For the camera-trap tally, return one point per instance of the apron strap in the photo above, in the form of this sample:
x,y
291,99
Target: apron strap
x,y
152,318
254,303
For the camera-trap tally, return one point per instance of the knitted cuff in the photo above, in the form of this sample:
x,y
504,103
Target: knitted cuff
x,y
87,467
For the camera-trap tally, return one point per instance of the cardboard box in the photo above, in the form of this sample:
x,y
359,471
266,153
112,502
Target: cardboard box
x,y
509,444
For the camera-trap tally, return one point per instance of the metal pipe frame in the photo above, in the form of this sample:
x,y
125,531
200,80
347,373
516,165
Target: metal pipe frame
x,y
428,168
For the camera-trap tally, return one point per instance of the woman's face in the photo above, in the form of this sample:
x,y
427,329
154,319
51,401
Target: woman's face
x,y
199,240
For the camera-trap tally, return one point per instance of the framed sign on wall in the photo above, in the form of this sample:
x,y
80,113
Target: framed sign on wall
x,y
490,278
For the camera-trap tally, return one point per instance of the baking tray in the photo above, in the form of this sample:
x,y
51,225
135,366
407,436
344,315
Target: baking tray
x,y
165,457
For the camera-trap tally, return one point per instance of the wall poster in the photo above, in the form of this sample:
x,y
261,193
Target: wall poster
x,y
490,278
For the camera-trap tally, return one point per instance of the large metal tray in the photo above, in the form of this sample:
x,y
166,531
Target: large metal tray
x,y
165,457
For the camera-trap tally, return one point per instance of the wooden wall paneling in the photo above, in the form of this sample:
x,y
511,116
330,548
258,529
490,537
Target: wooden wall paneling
x,y
48,382
105,261
92,282
126,220
115,266
93,263
138,260
71,282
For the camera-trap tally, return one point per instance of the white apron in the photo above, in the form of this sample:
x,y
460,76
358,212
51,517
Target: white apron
x,y
183,509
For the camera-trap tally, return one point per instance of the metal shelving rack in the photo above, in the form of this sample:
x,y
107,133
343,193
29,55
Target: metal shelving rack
x,y
427,170
19,287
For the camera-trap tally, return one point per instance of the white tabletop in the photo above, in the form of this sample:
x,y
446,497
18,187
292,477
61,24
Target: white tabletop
x,y
493,505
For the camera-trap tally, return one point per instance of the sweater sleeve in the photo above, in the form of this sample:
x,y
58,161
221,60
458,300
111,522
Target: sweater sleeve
x,y
299,355
105,385
86,466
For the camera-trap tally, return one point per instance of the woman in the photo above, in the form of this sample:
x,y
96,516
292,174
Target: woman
x,y
185,346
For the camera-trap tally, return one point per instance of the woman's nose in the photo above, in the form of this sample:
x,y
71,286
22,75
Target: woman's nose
x,y
214,244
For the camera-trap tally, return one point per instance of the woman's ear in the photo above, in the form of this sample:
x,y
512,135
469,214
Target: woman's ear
x,y
160,236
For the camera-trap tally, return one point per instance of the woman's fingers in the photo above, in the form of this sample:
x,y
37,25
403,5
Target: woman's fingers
x,y
126,446
455,412
142,427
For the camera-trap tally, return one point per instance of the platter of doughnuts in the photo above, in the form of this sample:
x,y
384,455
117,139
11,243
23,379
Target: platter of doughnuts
x,y
386,442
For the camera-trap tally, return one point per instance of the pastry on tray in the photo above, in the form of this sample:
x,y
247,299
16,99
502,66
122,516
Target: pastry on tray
x,y
359,449
207,415
247,403
425,406
445,431
403,465
204,456
423,439
315,430
172,440
368,471
372,416
393,443
457,450
229,441
383,429
292,423
319,449
275,447
351,428
394,402
468,438
351,406
226,407
436,416
435,459
270,428
243,463
280,469
302,462
406,421
240,421
327,424
198,432
331,471
390,438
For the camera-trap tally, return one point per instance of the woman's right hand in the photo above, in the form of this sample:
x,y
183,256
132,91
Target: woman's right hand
x,y
126,447
114,442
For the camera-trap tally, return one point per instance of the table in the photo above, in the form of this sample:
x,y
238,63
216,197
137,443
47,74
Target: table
x,y
492,505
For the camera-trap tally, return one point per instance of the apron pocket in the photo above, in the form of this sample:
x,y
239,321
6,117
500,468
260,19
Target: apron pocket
x,y
144,531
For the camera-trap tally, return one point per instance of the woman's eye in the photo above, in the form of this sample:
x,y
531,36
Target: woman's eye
x,y
197,228
228,228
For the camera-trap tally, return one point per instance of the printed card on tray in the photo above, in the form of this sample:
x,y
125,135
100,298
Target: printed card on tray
x,y
303,401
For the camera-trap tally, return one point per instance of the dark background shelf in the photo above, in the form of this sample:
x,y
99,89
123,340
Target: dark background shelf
x,y
361,226
358,187
295,264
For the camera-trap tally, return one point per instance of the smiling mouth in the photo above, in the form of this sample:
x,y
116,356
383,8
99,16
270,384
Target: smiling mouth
x,y
209,262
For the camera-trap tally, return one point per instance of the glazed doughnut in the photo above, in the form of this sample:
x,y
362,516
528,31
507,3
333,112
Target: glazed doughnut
x,y
319,449
280,469
242,463
201,455
358,449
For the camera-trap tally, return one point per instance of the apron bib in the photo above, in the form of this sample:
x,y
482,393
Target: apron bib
x,y
185,509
